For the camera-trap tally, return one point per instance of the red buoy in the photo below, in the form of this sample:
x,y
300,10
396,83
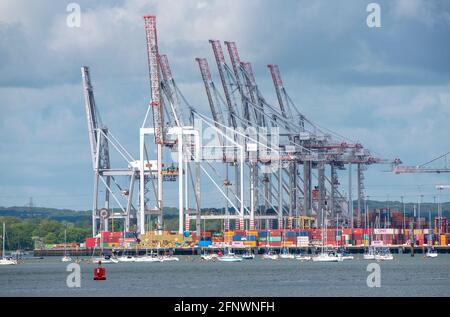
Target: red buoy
x,y
99,272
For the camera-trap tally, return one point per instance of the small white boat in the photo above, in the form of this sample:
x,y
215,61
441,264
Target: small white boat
x,y
346,256
370,255
270,256
169,258
230,258
126,258
149,258
105,260
4,260
303,257
209,257
384,255
286,255
66,258
431,253
248,256
327,257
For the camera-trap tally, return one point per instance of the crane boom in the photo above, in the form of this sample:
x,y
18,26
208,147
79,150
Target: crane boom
x,y
220,60
155,89
278,83
172,94
91,114
235,63
207,80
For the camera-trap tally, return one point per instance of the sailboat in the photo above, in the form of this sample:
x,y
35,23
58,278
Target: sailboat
x,y
66,258
230,257
270,255
431,252
325,255
169,257
370,255
104,259
4,260
286,255
248,255
384,254
302,256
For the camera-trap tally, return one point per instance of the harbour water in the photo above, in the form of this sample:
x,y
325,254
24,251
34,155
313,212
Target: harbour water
x,y
404,276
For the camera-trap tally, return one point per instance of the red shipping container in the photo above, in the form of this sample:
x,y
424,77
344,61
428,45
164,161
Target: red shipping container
x,y
117,234
91,242
275,243
358,231
347,231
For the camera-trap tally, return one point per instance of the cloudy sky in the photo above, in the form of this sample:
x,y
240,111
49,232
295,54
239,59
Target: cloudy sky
x,y
386,87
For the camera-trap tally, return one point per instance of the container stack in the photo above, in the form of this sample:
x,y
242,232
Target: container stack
x,y
275,237
238,239
262,238
289,239
302,239
251,238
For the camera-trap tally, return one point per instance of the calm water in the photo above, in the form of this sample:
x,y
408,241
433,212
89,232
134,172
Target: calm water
x,y
405,276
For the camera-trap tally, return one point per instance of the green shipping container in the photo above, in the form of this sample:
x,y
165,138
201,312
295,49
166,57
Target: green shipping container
x,y
275,239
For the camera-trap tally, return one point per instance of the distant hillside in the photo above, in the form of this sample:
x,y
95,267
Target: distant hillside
x,y
45,213
85,215
425,208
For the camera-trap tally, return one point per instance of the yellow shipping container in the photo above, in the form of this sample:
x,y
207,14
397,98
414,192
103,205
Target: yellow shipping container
x,y
418,231
250,243
443,240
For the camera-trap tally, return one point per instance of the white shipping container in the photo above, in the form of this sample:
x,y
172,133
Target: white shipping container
x,y
383,231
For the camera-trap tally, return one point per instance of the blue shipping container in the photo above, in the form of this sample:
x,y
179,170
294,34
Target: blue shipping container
x,y
204,243
237,238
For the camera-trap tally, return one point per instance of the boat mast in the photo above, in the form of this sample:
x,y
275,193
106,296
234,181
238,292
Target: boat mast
x,y
3,251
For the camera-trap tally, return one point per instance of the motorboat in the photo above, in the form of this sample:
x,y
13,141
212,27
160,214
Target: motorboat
x,y
4,260
431,253
66,258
